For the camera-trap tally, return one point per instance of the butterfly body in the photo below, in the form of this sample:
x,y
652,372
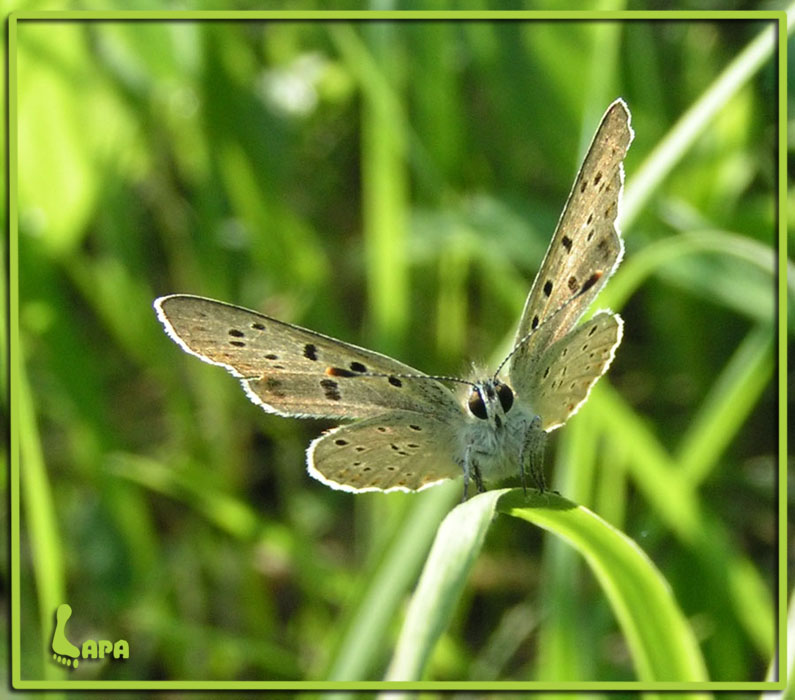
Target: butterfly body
x,y
497,431
410,430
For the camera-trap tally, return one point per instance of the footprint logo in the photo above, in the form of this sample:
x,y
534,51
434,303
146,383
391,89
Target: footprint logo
x,y
63,651
68,654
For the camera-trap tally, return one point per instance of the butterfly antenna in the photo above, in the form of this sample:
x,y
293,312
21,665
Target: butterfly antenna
x,y
342,372
590,282
457,380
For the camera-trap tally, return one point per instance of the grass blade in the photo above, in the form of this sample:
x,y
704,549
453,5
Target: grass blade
x,y
365,635
680,139
457,543
662,645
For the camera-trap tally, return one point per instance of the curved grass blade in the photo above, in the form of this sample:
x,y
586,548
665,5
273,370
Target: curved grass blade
x,y
457,543
659,639
662,645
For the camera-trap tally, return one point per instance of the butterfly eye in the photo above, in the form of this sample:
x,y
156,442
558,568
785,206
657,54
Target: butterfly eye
x,y
505,395
476,405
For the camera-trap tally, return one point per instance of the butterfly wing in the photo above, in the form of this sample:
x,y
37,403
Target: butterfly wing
x,y
565,372
585,249
398,451
293,371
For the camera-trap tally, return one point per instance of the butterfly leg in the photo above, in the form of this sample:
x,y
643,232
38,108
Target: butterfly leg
x,y
478,478
537,460
533,452
464,464
470,468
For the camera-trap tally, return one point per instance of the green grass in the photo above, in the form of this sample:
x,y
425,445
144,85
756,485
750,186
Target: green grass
x,y
402,201
662,645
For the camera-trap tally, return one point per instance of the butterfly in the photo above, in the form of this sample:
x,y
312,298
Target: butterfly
x,y
410,430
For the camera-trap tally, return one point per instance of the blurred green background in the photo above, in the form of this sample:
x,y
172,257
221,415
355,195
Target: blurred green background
x,y
394,185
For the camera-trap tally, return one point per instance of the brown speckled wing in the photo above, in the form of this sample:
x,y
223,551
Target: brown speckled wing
x,y
399,451
293,371
585,250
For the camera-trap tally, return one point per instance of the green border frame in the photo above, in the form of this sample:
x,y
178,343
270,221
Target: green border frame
x,y
783,20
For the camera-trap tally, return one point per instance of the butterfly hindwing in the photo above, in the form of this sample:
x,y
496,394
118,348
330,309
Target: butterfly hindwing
x,y
398,451
559,381
293,371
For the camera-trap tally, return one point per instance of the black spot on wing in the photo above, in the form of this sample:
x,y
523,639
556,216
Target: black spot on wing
x,y
591,281
274,386
331,389
339,372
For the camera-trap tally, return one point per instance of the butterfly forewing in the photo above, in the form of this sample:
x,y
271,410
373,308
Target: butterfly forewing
x,y
294,371
559,380
398,451
585,248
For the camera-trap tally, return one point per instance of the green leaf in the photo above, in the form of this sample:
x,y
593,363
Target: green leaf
x,y
659,639
457,543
